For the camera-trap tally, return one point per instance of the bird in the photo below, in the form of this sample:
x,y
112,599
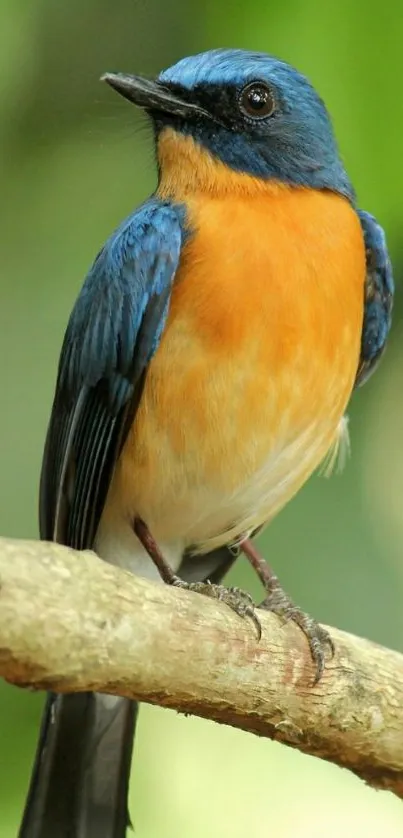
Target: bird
x,y
204,376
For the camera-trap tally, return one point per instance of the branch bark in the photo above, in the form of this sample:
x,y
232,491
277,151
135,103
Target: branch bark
x,y
69,622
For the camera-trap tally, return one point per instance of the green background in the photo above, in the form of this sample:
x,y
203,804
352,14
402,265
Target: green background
x,y
75,160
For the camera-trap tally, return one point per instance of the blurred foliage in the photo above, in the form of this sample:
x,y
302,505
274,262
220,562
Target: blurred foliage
x,y
74,164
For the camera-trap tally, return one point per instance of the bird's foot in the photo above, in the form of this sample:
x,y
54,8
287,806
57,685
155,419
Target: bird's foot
x,y
278,602
238,600
319,640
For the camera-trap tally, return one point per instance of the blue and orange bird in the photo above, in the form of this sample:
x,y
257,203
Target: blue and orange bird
x,y
204,375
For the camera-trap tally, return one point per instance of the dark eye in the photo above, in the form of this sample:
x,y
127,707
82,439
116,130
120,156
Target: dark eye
x,y
256,101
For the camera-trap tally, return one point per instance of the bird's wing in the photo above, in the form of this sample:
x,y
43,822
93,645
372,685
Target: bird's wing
x,y
378,300
113,332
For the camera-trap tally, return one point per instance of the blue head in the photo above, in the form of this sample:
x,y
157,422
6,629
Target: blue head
x,y
256,114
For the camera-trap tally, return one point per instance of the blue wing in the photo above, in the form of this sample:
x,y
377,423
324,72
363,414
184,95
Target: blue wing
x,y
113,331
378,302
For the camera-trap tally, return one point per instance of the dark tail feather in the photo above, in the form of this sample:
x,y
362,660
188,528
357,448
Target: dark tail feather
x,y
80,780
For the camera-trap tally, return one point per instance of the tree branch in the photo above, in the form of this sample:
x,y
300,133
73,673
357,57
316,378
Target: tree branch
x,y
70,622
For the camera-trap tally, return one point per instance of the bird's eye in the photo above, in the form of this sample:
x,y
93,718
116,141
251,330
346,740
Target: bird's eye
x,y
256,101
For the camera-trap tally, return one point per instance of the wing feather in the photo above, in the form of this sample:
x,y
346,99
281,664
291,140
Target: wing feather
x,y
114,330
378,301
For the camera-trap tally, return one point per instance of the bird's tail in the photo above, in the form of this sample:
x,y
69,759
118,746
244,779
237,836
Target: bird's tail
x,y
80,779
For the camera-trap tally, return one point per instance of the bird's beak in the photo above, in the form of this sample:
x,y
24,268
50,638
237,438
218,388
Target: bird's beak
x,y
151,95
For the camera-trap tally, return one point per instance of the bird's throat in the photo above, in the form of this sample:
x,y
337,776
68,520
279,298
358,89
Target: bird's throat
x,y
186,167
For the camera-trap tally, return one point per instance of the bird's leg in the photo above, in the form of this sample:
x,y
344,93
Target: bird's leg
x,y
236,599
280,603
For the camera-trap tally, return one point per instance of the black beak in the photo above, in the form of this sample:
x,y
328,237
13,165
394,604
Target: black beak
x,y
151,95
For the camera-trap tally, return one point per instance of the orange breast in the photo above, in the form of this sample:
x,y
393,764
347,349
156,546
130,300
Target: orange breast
x,y
247,390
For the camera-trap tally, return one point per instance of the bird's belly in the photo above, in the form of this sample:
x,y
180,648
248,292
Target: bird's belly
x,y
247,391
208,468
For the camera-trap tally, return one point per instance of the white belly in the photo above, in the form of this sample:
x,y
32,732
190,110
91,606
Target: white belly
x,y
205,520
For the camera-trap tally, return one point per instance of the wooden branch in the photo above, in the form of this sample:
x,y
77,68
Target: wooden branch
x,y
70,622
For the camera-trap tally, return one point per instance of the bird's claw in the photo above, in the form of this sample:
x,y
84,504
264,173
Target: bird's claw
x,y
319,640
236,599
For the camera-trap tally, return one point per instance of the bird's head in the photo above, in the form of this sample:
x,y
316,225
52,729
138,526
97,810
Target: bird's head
x,y
232,111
